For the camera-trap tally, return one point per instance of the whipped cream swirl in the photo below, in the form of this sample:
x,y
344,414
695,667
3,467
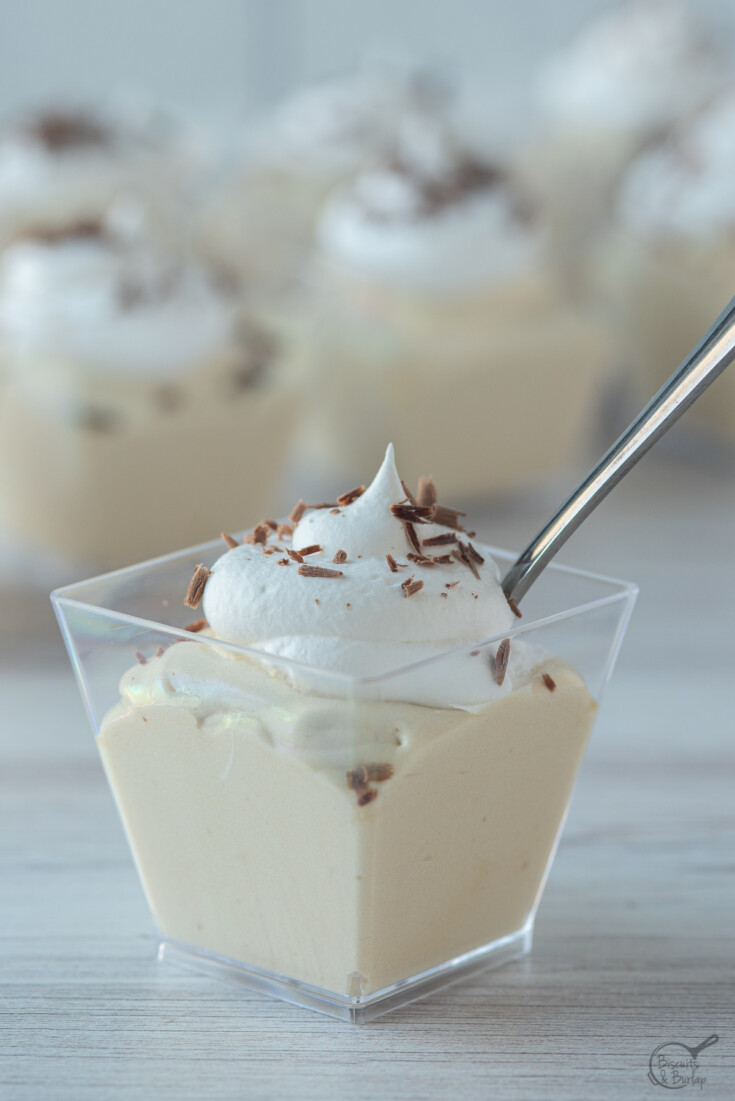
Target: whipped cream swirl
x,y
362,623
685,186
64,168
106,305
431,217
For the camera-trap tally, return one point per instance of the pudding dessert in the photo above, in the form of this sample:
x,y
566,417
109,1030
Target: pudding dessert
x,y
332,782
133,387
670,263
436,310
626,78
60,170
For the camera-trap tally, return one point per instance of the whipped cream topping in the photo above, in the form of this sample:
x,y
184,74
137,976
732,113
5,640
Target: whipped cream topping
x,y
362,622
685,186
63,168
104,305
432,216
334,127
639,66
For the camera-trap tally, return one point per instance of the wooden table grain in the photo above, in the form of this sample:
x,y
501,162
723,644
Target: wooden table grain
x,y
635,938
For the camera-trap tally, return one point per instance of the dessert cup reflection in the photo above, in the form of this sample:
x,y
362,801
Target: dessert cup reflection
x,y
331,788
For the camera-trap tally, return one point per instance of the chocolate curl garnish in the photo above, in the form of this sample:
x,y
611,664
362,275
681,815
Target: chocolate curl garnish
x,y
196,586
475,555
412,514
340,557
427,492
367,797
446,517
197,626
284,531
412,537
392,564
348,498
500,662
294,554
159,652
408,493
313,548
420,559
141,658
231,543
410,586
462,554
514,607
297,511
319,571
364,774
439,540
283,562
58,131
548,681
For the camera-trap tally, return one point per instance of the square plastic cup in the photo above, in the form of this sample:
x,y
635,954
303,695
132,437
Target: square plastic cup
x,y
316,836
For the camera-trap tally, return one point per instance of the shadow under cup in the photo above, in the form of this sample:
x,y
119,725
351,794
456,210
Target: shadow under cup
x,y
320,837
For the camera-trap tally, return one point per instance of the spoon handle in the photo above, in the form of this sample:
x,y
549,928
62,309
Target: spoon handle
x,y
715,352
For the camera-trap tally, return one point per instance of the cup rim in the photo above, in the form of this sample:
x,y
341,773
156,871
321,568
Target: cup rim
x,y
623,592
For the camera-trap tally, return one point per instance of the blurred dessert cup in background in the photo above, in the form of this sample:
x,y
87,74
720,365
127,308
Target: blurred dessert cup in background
x,y
62,168
669,264
139,403
624,80
259,221
438,316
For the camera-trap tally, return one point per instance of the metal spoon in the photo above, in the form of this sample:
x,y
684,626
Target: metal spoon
x,y
715,352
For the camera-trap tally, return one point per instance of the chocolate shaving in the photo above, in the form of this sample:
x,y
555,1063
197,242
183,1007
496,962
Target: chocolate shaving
x,y
427,492
313,548
324,504
335,511
446,517
442,559
297,511
500,662
367,797
414,514
408,493
445,595
461,553
294,554
514,607
420,559
59,131
261,532
271,524
340,557
392,564
412,537
348,498
451,584
141,658
410,586
475,555
195,627
548,681
283,562
231,543
362,775
159,652
439,540
284,531
319,571
196,586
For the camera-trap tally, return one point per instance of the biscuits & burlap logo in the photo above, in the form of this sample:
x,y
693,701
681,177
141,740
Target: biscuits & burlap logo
x,y
674,1065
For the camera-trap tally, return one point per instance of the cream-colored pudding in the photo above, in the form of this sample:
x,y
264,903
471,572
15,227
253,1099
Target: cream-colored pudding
x,y
250,843
133,386
344,832
437,312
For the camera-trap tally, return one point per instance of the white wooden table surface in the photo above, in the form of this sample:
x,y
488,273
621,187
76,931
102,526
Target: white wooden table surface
x,y
635,942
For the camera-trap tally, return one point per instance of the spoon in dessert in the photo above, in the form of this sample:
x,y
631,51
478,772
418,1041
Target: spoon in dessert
x,y
715,352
